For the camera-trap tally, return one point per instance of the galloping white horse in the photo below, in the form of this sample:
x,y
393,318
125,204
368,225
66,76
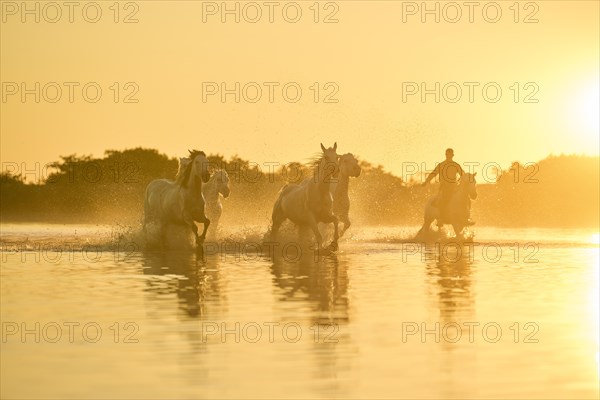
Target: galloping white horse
x,y
180,201
349,167
217,186
459,206
309,203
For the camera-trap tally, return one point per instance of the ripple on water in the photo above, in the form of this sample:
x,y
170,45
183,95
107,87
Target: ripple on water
x,y
369,291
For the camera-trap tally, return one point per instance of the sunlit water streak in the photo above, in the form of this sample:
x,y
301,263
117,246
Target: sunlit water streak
x,y
364,301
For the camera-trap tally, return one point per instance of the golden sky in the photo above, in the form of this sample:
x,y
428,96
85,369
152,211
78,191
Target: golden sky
x,y
370,56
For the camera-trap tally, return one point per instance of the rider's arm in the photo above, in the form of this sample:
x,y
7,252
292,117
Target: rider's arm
x,y
432,175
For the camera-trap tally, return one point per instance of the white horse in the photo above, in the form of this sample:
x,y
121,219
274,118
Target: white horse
x,y
458,209
349,167
309,203
180,201
217,186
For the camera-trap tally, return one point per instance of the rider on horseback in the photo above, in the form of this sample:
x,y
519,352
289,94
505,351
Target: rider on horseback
x,y
447,171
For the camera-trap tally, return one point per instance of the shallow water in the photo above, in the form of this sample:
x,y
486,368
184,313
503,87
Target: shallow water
x,y
514,315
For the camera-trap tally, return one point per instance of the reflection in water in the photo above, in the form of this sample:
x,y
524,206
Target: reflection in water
x,y
449,274
322,281
194,278
170,295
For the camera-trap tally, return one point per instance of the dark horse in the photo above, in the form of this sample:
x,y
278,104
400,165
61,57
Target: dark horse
x,y
459,206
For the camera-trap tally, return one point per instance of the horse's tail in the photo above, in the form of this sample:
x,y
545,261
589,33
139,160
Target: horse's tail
x,y
277,204
146,205
278,215
149,210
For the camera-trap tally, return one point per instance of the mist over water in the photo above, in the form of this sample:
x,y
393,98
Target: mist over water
x,y
558,191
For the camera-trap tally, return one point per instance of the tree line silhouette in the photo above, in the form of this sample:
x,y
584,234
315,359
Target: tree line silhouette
x,y
558,191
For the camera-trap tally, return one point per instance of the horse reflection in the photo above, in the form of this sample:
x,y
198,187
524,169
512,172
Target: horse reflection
x,y
320,281
322,284
449,273
192,277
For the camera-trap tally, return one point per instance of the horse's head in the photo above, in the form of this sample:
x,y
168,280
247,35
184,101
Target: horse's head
x,y
349,165
469,184
200,165
329,167
183,163
222,181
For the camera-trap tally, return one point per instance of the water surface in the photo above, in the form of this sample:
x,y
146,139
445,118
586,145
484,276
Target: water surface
x,y
513,316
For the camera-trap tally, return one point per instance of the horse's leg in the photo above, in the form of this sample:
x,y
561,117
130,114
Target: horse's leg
x,y
458,228
346,220
421,232
194,227
206,222
334,220
312,222
215,227
427,220
278,219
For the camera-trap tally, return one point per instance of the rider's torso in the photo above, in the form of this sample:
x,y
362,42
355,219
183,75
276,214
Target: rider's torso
x,y
449,171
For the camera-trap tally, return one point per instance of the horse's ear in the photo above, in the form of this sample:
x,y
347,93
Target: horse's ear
x,y
475,174
322,147
189,151
335,146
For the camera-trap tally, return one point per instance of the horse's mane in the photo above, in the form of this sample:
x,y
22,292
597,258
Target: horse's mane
x,y
464,179
314,160
221,173
182,179
183,162
215,175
